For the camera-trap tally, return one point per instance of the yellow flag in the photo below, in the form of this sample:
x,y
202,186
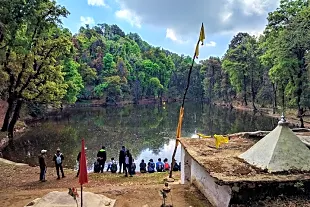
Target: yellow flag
x,y
202,34
201,38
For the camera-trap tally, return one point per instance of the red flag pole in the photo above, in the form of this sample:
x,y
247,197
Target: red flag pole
x,y
83,178
81,195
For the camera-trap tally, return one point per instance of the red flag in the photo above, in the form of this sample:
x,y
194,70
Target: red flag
x,y
83,178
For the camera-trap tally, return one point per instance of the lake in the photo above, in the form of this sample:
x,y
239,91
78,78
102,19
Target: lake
x,y
147,130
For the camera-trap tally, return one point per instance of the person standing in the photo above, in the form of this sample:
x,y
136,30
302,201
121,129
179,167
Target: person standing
x,y
78,161
101,158
128,163
42,164
121,159
58,159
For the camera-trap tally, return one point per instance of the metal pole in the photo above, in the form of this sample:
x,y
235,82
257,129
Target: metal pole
x,y
81,195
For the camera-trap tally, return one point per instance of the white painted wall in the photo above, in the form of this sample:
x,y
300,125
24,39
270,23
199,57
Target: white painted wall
x,y
186,162
192,172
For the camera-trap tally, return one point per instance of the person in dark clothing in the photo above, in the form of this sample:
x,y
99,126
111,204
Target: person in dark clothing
x,y
176,167
112,165
121,159
101,158
128,163
142,167
151,166
133,167
78,160
58,159
42,164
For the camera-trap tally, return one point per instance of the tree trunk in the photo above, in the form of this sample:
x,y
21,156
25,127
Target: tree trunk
x,y
274,89
14,118
283,97
244,90
211,84
8,114
300,112
253,91
299,92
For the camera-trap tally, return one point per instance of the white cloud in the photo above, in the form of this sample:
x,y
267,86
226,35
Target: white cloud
x,y
211,44
96,3
226,16
87,20
184,17
129,16
170,34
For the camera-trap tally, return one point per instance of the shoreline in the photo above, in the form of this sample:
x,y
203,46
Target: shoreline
x,y
290,114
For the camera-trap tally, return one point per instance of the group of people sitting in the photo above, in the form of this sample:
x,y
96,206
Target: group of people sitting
x,y
159,166
127,163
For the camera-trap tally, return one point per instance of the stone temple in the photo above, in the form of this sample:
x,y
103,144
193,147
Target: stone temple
x,y
279,151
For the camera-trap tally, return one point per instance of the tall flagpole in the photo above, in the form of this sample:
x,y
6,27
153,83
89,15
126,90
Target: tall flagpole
x,y
81,195
83,177
183,101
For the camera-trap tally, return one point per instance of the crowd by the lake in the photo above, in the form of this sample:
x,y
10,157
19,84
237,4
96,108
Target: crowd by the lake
x,y
126,164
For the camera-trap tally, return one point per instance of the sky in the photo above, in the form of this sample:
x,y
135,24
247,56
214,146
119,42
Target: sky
x,y
175,24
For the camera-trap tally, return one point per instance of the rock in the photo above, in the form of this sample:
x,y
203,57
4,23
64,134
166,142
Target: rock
x,y
33,202
63,199
170,180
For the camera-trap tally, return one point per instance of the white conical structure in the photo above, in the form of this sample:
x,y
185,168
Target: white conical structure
x,y
280,150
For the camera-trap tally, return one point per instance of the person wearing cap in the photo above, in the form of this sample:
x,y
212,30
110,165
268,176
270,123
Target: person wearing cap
x,y
58,159
42,165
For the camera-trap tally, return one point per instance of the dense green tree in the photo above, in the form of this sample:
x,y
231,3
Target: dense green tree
x,y
73,79
288,44
235,64
155,86
42,63
29,54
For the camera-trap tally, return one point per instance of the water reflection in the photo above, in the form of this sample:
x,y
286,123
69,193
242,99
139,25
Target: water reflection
x,y
148,131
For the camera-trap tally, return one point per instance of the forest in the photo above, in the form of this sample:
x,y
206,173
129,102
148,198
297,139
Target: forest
x,y
44,64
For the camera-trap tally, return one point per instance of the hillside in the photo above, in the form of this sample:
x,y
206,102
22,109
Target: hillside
x,y
116,66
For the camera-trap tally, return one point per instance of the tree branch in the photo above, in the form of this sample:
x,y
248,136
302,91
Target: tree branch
x,y
38,69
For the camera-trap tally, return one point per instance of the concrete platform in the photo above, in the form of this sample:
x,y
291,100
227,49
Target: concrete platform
x,y
62,199
225,179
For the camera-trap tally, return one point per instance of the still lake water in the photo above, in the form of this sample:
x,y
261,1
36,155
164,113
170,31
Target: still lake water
x,y
147,130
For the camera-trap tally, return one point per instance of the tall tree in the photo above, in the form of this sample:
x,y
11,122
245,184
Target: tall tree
x,y
288,38
29,55
234,63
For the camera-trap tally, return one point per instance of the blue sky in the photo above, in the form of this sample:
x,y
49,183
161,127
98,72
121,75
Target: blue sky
x,y
175,24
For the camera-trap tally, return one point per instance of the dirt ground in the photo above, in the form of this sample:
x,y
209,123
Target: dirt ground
x,y
20,185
